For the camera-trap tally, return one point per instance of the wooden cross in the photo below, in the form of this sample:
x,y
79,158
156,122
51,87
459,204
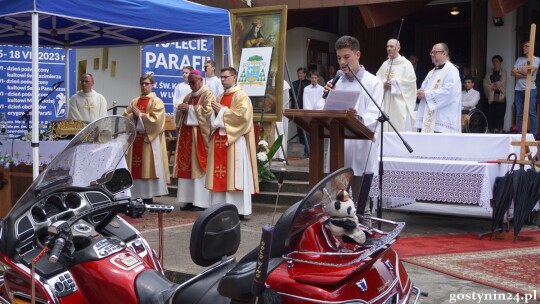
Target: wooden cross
x,y
523,143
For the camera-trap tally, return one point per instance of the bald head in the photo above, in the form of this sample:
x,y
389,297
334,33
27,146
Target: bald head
x,y
392,48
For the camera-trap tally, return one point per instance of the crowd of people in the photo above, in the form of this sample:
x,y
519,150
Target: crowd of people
x,y
215,150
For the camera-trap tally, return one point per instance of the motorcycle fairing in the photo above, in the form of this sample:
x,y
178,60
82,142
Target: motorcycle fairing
x,y
97,149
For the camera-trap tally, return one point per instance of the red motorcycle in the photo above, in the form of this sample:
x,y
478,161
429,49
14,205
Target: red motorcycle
x,y
63,242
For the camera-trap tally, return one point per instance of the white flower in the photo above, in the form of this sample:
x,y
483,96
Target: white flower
x,y
261,156
27,136
263,143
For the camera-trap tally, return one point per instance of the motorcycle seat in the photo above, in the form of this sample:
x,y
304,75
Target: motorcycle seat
x,y
152,287
237,283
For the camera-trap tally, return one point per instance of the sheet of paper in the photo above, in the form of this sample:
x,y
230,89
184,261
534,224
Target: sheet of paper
x,y
341,100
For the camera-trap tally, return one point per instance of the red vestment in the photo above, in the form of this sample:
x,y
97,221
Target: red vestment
x,y
185,146
220,153
136,164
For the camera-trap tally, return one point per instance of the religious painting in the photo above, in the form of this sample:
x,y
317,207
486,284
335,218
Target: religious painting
x,y
256,28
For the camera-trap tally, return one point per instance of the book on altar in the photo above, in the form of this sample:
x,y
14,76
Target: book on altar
x,y
341,100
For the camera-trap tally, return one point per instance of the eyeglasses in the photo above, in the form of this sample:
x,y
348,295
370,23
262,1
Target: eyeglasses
x,y
145,83
192,82
225,76
435,52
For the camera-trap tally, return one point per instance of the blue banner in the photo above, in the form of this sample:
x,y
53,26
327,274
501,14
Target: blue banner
x,y
165,62
16,86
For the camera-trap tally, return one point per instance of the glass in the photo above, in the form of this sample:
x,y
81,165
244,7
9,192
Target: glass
x,y
192,82
225,76
145,83
435,52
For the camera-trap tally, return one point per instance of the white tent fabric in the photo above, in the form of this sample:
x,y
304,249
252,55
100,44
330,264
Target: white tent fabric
x,y
101,23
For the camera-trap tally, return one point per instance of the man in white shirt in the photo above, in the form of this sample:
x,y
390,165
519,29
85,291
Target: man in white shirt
x,y
211,79
469,96
519,71
360,155
182,89
313,94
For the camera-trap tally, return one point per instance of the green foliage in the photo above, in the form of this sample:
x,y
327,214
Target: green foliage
x,y
265,155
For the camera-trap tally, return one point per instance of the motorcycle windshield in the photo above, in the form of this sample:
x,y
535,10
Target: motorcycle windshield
x,y
312,207
97,149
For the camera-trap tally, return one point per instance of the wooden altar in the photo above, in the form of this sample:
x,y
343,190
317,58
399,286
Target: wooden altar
x,y
13,183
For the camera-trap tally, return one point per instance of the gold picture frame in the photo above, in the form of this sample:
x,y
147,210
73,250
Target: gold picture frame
x,y
263,27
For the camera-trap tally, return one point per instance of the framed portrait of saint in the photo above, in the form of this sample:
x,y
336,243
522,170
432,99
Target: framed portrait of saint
x,y
256,28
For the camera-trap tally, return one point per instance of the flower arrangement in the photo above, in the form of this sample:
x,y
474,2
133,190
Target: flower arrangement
x,y
264,155
44,135
6,160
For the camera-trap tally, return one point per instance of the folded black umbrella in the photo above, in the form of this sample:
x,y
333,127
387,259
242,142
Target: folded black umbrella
x,y
502,196
526,195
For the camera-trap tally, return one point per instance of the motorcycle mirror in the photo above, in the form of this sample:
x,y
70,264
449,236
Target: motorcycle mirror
x,y
121,180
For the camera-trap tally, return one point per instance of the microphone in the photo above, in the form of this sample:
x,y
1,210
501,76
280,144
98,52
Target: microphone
x,y
336,78
58,83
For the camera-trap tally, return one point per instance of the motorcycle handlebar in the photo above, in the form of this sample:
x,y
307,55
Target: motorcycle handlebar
x,y
159,208
57,250
136,208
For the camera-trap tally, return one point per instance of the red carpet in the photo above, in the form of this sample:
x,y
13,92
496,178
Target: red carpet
x,y
500,263
460,243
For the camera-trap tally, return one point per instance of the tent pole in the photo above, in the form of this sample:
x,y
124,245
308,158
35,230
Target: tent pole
x,y
66,73
35,93
229,41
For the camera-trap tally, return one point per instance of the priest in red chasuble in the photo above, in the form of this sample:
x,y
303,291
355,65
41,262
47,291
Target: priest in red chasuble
x,y
231,171
193,120
147,158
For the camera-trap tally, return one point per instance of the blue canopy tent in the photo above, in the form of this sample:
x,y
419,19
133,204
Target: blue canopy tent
x,y
101,23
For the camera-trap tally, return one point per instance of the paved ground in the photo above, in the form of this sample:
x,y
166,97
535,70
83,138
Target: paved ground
x,y
440,288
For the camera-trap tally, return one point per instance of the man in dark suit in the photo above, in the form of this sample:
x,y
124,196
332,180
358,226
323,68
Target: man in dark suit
x,y
298,87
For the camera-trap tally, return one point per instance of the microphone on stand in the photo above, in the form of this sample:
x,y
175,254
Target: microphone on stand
x,y
334,81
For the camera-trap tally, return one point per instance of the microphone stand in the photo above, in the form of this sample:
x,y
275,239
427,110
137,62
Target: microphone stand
x,y
26,114
382,119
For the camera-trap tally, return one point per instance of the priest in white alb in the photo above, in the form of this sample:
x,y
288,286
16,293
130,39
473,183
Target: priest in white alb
x,y
147,157
231,170
193,120
439,110
399,79
87,104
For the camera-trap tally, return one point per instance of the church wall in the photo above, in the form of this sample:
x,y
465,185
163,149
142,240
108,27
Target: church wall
x,y
124,85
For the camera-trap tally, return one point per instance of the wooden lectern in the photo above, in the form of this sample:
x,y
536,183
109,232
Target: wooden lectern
x,y
337,125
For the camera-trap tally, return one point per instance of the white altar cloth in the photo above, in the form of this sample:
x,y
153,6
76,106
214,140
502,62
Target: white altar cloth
x,y
22,150
443,167
464,182
453,146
